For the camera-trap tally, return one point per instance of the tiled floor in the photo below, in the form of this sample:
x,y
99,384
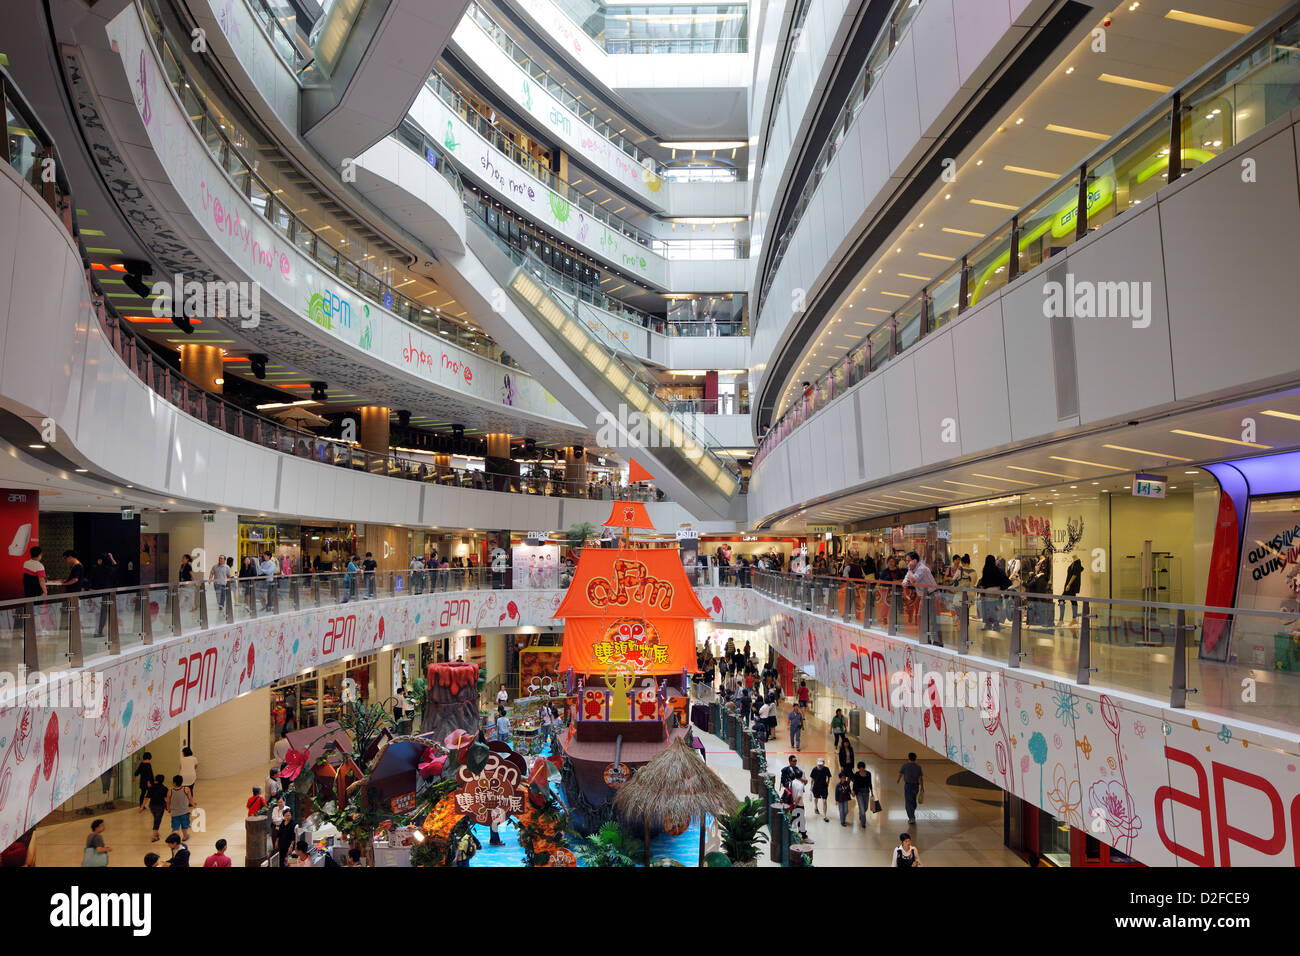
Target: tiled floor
x,y
127,832
956,826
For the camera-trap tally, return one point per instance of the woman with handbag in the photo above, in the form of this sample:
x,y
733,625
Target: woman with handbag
x,y
96,852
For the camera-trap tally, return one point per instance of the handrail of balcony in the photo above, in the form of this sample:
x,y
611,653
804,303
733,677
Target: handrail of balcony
x,y
284,220
64,630
488,131
1161,144
1138,646
615,46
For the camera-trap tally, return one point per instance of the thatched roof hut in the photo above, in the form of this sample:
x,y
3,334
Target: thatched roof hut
x,y
675,786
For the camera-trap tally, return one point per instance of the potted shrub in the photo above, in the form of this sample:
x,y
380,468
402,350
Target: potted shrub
x,y
742,832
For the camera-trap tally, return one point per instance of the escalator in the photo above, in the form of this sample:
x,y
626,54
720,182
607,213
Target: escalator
x,y
606,388
370,59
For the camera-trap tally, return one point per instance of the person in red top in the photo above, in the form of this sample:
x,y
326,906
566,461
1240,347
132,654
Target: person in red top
x,y
256,804
803,694
219,858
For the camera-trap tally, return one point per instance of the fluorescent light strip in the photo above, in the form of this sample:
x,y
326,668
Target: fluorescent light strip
x,y
931,255
1214,23
1135,84
1144,451
992,205
1024,170
896,295
967,484
875,308
1014,481
964,232
1226,441
908,275
1071,131
1036,471
1094,464
1287,415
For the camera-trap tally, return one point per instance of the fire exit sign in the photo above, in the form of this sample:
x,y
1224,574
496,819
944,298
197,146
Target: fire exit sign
x,y
1149,486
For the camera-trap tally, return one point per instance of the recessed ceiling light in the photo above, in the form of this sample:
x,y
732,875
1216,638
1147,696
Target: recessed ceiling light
x,y
37,446
1069,70
992,205
82,471
1277,414
964,232
1026,171
1094,464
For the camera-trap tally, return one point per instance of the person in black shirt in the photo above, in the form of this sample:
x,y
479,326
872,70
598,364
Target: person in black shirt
x,y
861,781
180,852
145,773
368,566
103,577
186,572
284,837
76,579
821,780
156,799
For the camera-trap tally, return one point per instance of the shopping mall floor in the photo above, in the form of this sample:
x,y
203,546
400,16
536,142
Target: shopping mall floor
x,y
956,826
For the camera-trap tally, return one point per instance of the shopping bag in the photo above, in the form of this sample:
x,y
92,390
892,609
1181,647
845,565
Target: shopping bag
x,y
875,806
920,796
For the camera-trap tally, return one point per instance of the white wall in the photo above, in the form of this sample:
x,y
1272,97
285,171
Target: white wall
x,y
1218,256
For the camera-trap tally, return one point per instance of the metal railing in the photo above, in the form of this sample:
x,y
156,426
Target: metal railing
x,y
60,631
263,197
1254,83
886,42
1160,651
503,142
588,115
592,18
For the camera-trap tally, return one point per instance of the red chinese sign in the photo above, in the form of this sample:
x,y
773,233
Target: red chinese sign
x,y
494,793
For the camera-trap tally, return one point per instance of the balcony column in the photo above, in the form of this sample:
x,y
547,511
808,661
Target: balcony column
x,y
711,392
502,470
575,471
372,432
201,364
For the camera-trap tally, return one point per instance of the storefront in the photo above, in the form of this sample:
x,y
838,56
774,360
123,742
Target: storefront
x,y
311,699
1044,840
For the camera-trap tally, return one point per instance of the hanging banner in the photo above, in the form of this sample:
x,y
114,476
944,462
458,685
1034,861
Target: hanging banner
x,y
19,524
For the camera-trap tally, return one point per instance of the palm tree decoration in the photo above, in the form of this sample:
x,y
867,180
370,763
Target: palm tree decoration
x,y
742,832
578,535
608,846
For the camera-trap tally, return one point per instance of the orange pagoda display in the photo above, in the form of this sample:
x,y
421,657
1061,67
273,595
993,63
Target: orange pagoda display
x,y
629,646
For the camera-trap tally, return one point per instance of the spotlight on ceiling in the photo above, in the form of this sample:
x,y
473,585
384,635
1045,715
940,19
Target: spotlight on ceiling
x,y
318,391
258,363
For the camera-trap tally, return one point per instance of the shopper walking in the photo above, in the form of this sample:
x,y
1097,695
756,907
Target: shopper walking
x,y
905,854
350,579
845,754
220,576
821,788
96,851
103,577
804,694
285,835
189,769
179,804
913,780
218,859
144,775
156,799
861,781
837,726
795,719
268,569
843,797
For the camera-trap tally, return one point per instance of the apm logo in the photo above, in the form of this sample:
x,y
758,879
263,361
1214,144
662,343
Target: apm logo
x,y
77,910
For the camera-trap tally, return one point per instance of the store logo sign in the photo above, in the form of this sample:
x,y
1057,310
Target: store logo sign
x,y
342,630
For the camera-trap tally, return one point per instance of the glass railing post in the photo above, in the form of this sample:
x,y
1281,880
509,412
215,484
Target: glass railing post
x,y
963,292
31,654
1081,209
1086,670
1176,137
75,658
113,625
1014,654
273,595
1013,263
963,623
146,618
293,593
1178,686
895,608
228,601
202,598
174,598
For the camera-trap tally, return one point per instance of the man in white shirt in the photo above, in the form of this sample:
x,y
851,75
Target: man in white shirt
x,y
220,575
417,574
796,815
280,751
918,573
